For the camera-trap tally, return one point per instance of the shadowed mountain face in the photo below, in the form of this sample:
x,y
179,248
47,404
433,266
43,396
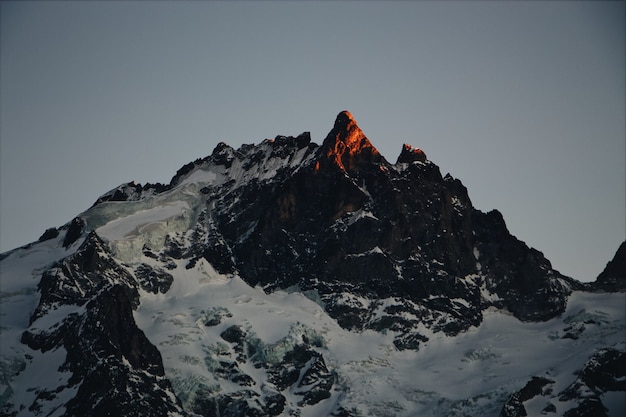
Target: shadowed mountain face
x,y
613,277
348,221
136,294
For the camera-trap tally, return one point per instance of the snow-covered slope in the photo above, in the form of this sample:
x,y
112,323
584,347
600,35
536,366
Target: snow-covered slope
x,y
472,373
288,278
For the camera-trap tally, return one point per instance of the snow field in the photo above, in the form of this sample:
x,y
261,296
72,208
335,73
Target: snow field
x,y
477,369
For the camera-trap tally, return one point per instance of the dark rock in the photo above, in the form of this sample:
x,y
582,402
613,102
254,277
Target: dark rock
x,y
238,337
613,277
548,409
223,155
514,407
234,334
114,369
605,371
409,341
287,373
173,248
213,247
50,233
589,407
214,316
153,279
242,379
274,403
316,382
232,372
77,278
410,154
186,169
74,231
348,221
304,370
131,192
574,331
240,404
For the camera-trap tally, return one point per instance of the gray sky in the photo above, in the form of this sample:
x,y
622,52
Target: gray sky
x,y
524,102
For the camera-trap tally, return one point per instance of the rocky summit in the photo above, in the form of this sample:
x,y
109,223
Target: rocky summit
x,y
290,278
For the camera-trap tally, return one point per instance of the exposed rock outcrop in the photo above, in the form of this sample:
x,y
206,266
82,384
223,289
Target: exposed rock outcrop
x,y
613,277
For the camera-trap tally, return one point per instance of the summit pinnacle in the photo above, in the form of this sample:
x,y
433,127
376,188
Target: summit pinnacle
x,y
347,146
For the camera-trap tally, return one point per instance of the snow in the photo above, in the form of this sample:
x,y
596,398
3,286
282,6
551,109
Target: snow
x,y
476,370
41,374
129,226
138,222
201,176
374,251
240,172
457,204
359,215
20,273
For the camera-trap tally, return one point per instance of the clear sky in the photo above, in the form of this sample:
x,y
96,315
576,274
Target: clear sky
x,y
524,102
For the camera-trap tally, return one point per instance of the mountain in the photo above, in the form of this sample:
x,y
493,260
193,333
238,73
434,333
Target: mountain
x,y
290,278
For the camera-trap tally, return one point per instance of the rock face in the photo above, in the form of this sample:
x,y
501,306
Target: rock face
x,y
74,231
410,154
613,278
348,222
374,248
114,369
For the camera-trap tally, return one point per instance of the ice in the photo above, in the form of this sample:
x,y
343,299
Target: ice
x,y
129,226
139,222
201,176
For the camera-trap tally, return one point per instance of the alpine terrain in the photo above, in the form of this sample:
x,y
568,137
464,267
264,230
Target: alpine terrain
x,y
288,278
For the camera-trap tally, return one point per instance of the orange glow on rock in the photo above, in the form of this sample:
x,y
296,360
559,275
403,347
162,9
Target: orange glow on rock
x,y
347,143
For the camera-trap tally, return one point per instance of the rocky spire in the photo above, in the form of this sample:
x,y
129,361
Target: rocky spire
x,y
347,146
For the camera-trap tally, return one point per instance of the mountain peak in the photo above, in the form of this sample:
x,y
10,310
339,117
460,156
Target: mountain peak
x,y
344,119
347,146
